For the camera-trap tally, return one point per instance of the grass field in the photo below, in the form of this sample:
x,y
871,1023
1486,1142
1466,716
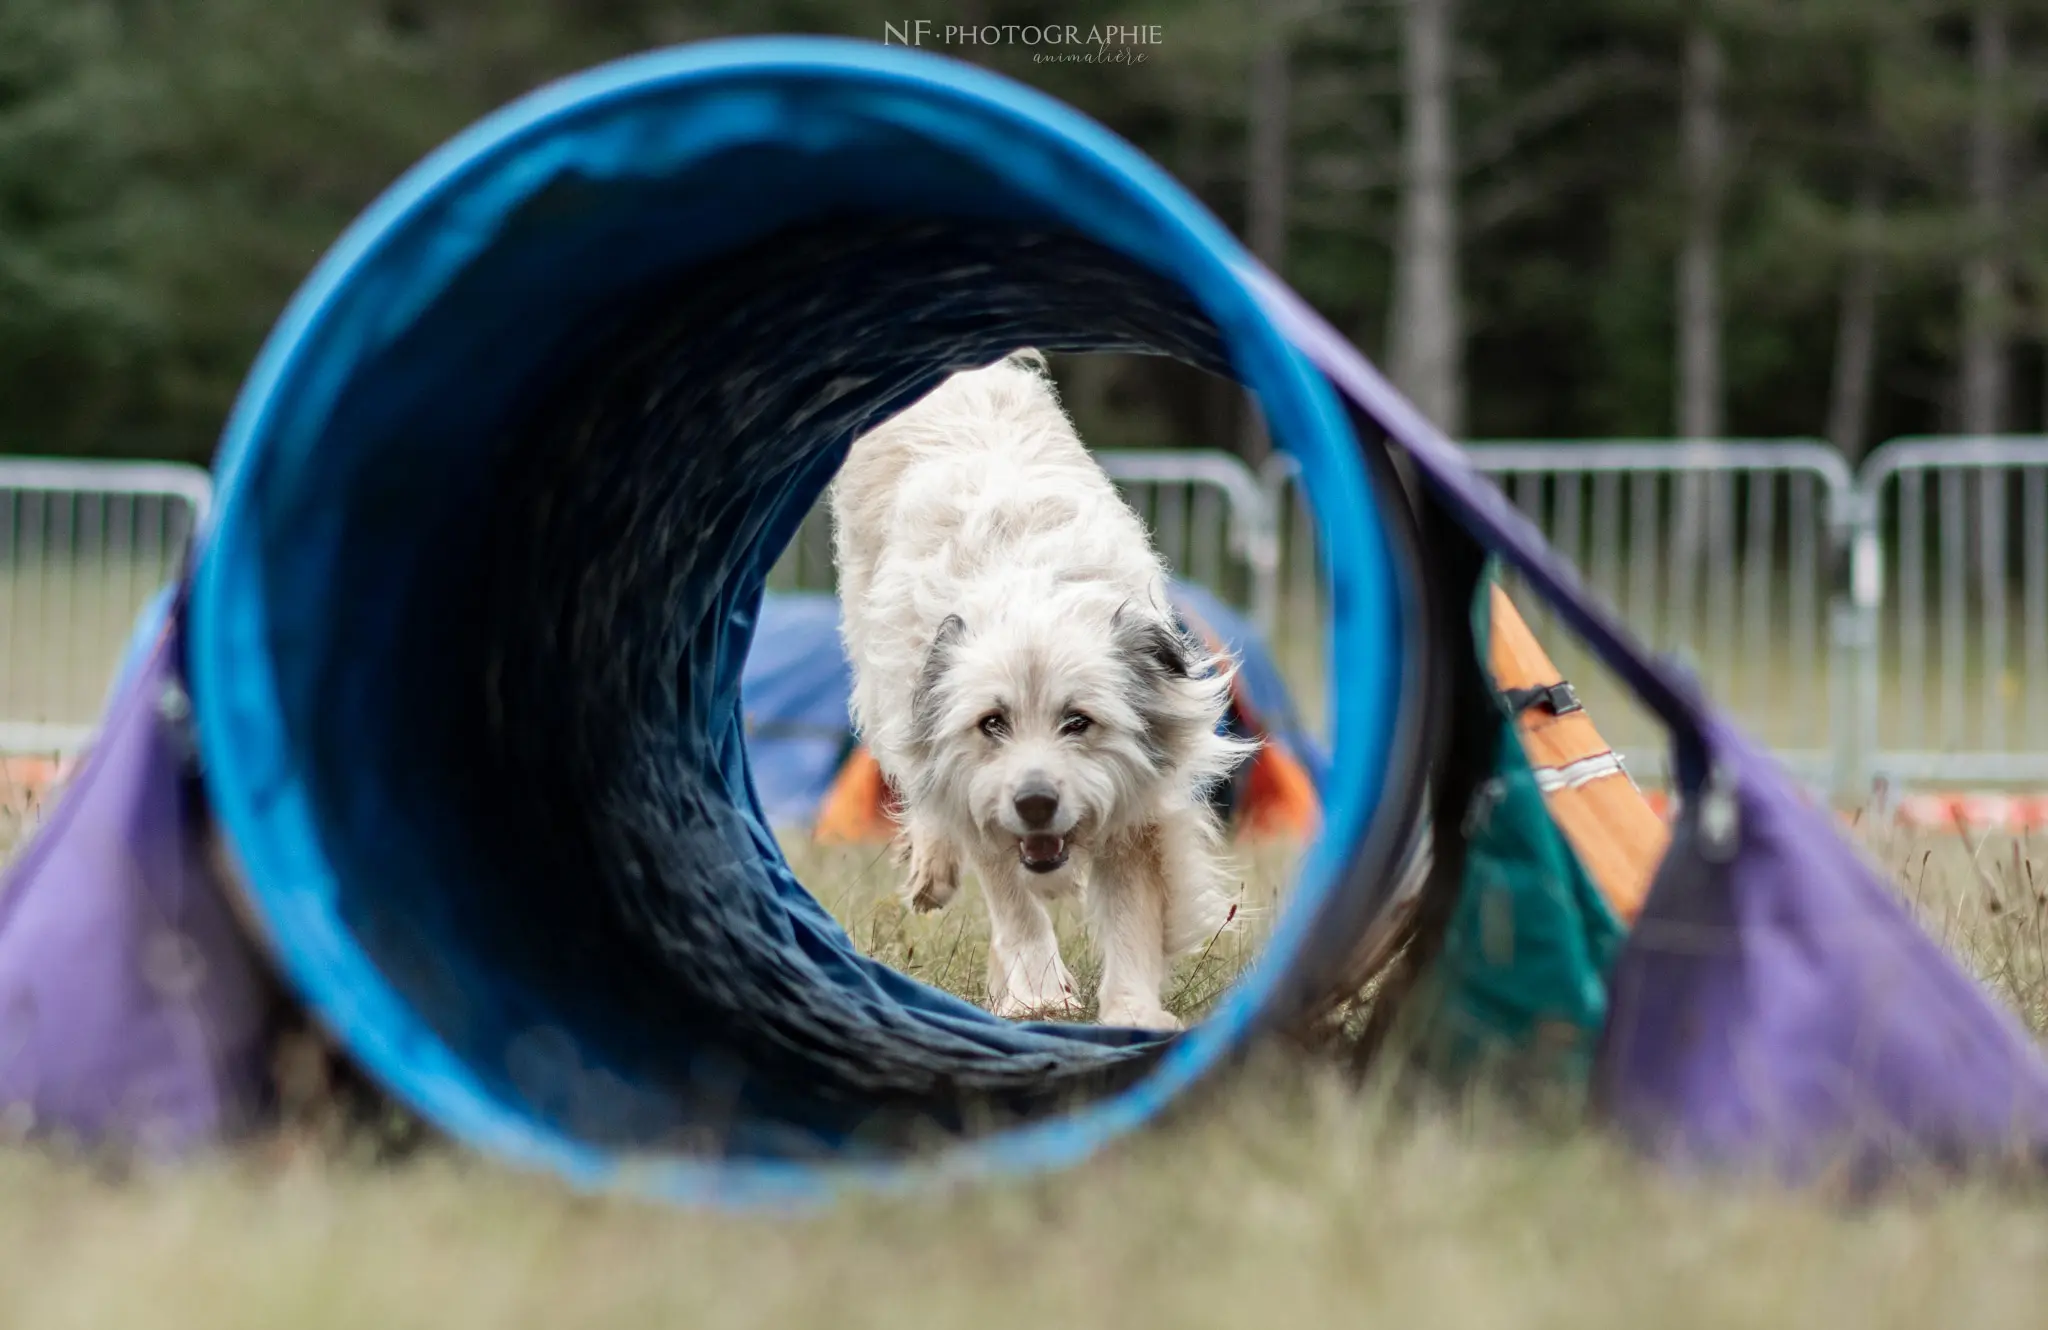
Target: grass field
x,y
949,948
1280,1197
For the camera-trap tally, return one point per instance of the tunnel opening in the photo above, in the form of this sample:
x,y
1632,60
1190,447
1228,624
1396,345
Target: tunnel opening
x,y
497,507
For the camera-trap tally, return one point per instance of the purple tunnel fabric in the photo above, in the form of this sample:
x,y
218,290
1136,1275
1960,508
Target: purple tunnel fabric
x,y
1776,1009
133,1008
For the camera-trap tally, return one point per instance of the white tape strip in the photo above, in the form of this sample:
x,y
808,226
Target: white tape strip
x,y
1582,772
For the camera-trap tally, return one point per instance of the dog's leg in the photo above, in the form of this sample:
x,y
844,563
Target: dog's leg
x,y
1127,902
1026,976
934,868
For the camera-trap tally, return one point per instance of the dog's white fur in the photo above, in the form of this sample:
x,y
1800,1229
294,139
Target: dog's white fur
x,y
1006,618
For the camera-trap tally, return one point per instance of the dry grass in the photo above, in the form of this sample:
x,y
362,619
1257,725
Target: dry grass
x,y
1281,1197
948,949
22,804
1986,898
1280,1207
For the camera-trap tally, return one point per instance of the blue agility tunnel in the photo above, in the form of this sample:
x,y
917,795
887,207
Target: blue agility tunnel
x,y
439,742
493,518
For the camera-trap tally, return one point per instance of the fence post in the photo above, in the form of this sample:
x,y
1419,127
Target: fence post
x,y
84,544
1263,554
1855,601
1276,487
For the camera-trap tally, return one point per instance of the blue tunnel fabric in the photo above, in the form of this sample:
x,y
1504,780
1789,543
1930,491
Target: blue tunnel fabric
x,y
493,517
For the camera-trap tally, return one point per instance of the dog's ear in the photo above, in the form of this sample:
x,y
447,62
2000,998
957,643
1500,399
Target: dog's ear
x,y
1150,645
924,698
1161,663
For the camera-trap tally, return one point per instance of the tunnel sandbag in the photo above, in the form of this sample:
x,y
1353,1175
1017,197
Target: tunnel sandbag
x,y
493,518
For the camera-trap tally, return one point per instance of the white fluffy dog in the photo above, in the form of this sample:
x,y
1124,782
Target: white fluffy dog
x,y
1020,681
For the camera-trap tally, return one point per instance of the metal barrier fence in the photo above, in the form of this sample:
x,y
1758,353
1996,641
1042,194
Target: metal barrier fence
x,y
1718,553
1888,624
83,546
1953,674
1208,514
1891,623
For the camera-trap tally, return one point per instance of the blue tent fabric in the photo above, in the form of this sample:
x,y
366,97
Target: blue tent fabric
x,y
794,693
795,684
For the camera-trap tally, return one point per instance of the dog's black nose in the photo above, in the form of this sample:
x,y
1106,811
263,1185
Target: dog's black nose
x,y
1036,803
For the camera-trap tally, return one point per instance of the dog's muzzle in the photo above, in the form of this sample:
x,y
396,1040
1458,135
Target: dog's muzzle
x,y
1042,851
1037,805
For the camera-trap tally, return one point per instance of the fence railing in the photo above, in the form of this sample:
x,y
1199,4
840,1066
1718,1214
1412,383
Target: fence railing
x,y
1888,622
83,546
1952,557
1208,514
1180,494
1720,554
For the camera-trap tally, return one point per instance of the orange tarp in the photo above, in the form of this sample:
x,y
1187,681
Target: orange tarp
x,y
1616,833
1279,797
858,808
30,778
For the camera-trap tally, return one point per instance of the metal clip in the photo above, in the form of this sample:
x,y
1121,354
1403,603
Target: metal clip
x,y
174,708
1720,817
1479,812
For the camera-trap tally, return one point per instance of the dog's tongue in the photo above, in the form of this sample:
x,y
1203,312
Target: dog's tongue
x,y
1042,847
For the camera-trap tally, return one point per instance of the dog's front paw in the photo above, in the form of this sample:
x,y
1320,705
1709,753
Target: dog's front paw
x,y
1031,984
1036,1007
932,894
934,880
1137,1014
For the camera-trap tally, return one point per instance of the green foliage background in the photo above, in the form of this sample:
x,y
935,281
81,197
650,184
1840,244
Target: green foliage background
x,y
170,171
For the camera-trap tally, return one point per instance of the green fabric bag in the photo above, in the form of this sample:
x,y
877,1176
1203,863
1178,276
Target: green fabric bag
x,y
1520,983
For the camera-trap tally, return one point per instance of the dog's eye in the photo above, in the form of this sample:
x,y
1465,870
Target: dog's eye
x,y
1075,723
993,725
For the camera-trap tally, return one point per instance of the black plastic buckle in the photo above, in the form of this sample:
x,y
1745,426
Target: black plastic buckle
x,y
1559,698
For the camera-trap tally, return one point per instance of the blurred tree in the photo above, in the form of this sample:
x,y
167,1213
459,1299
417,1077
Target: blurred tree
x,y
1508,217
1269,153
1985,290
1426,333
74,330
1702,164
